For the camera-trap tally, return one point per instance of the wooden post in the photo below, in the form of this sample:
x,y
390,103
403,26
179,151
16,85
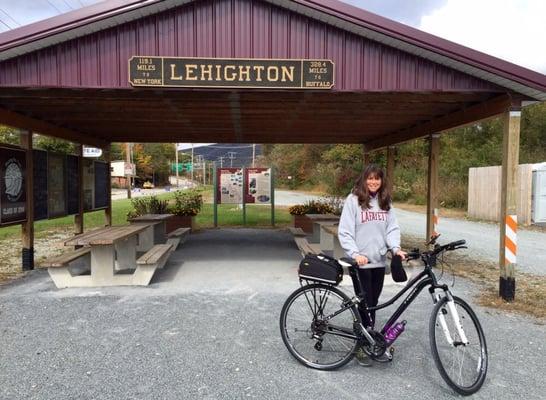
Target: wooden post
x,y
432,192
365,156
108,210
27,228
390,166
78,218
508,214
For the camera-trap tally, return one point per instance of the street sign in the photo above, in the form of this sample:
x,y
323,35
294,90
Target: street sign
x,y
91,152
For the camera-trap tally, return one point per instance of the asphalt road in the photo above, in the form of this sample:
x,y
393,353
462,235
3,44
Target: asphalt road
x,y
207,328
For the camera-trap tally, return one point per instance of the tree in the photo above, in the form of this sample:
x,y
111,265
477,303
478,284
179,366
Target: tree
x,y
9,135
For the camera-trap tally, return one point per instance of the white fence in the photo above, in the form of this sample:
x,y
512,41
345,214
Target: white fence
x,y
484,193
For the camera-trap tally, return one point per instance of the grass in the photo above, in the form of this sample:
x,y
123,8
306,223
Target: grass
x,y
231,215
530,296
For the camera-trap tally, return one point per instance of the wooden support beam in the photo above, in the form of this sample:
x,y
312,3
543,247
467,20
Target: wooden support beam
x,y
508,214
27,228
21,121
78,218
472,114
391,151
108,209
432,183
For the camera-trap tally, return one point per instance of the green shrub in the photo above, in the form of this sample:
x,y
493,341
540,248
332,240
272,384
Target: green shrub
x,y
187,202
312,207
147,205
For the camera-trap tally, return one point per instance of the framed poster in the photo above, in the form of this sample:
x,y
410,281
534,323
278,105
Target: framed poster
x,y
13,185
88,184
56,185
40,184
258,185
230,186
101,184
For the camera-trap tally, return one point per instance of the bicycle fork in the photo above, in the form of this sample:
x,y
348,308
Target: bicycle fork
x,y
454,316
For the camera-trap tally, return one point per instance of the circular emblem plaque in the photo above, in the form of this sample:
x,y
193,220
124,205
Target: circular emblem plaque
x,y
13,176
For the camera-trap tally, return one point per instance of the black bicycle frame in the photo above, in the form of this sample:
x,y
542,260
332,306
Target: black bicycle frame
x,y
424,279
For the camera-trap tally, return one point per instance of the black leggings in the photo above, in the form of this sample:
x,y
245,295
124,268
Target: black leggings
x,y
372,285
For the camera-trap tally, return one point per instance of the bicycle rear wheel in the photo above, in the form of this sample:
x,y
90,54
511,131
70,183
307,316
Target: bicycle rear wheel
x,y
313,340
462,364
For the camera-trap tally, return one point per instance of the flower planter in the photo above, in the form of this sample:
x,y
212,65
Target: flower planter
x,y
301,221
179,221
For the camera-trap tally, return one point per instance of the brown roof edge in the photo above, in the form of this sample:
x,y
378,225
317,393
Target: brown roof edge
x,y
349,13
428,41
67,21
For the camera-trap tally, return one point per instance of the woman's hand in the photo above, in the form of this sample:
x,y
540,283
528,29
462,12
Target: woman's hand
x,y
361,260
402,254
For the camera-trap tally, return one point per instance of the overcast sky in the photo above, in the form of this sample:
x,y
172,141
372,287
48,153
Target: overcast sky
x,y
514,30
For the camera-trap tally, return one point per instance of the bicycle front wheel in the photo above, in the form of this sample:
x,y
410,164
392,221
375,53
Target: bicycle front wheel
x,y
312,333
460,353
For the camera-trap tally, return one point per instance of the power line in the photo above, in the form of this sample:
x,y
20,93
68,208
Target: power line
x,y
10,17
69,6
9,27
54,6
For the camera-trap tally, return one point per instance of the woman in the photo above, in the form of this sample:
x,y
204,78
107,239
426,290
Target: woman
x,y
367,230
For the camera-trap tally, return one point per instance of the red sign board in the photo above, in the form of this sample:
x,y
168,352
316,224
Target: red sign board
x,y
229,187
258,185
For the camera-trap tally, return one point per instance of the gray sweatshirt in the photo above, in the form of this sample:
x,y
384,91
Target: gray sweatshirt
x,y
369,232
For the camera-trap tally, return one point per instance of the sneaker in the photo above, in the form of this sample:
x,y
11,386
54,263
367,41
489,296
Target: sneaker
x,y
362,358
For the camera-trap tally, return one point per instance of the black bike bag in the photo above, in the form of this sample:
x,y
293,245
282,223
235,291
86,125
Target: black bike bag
x,y
320,268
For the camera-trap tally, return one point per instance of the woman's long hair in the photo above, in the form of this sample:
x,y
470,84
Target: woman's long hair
x,y
360,188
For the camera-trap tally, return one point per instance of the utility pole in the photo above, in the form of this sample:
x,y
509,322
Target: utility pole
x,y
128,161
192,163
176,162
204,171
231,156
221,159
253,153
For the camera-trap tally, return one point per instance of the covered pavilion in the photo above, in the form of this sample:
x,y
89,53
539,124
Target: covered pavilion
x,y
255,71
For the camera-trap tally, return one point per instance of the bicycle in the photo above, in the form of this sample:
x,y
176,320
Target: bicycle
x,y
322,328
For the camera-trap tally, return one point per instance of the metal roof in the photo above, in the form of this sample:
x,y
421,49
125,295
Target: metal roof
x,y
107,14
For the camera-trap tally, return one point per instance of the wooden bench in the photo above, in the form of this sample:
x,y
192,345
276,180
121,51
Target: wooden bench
x,y
306,247
178,236
65,259
59,267
297,231
153,259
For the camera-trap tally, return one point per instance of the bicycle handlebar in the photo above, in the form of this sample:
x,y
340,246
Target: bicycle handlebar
x,y
416,253
458,244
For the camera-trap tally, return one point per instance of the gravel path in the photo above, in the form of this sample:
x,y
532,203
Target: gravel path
x,y
482,239
207,328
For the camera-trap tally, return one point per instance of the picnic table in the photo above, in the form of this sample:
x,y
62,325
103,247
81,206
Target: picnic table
x,y
111,249
318,221
159,221
331,231
160,235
